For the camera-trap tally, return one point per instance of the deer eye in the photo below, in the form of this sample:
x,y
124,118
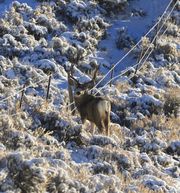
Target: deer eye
x,y
78,93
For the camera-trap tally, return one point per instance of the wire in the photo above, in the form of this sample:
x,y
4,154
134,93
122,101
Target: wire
x,y
136,65
116,62
155,37
11,96
133,46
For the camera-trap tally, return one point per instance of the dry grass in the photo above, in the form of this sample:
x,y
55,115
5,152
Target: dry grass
x,y
81,174
141,188
41,132
3,154
116,132
172,102
122,86
168,127
171,125
141,123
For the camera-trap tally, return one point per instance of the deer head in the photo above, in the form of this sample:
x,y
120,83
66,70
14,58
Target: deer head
x,y
81,86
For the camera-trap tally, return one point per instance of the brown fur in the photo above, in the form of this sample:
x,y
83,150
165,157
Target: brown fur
x,y
95,109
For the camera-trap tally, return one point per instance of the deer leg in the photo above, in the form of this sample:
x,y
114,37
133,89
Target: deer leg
x,y
102,127
106,123
92,128
83,120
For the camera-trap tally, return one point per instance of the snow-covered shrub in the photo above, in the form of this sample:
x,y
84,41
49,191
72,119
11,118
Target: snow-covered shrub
x,y
112,5
9,40
13,17
78,9
22,7
145,45
8,82
81,53
156,184
103,168
29,175
172,103
72,53
18,32
58,43
102,141
175,17
124,40
62,27
36,30
64,130
28,40
102,183
97,24
172,29
80,36
174,148
4,27
169,49
44,16
46,65
50,24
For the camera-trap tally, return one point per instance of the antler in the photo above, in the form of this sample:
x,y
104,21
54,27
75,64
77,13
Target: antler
x,y
86,85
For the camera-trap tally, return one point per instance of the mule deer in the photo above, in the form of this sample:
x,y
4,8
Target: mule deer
x,y
95,109
75,83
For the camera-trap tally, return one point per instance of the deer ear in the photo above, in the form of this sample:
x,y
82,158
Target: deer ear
x,y
86,91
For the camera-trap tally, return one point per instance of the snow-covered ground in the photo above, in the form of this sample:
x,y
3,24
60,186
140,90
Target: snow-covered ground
x,y
43,148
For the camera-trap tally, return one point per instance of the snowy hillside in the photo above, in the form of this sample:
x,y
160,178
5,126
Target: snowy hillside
x,y
46,148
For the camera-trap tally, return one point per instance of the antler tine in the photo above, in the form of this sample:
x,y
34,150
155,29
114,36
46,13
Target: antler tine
x,y
78,83
95,72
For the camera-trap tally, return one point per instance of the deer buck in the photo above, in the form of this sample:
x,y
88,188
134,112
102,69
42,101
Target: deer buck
x,y
95,109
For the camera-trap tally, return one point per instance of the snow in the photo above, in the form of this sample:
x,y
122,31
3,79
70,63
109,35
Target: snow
x,y
43,147
10,74
46,65
154,183
6,4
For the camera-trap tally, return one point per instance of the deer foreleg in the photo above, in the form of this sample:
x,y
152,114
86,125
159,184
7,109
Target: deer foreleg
x,y
107,125
102,128
92,128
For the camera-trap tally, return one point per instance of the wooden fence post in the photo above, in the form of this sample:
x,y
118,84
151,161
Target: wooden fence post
x,y
112,74
71,98
138,60
49,83
157,29
22,95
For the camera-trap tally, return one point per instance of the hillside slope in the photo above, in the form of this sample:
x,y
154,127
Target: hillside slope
x,y
43,147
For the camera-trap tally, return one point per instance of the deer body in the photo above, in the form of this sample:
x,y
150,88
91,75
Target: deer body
x,y
95,109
